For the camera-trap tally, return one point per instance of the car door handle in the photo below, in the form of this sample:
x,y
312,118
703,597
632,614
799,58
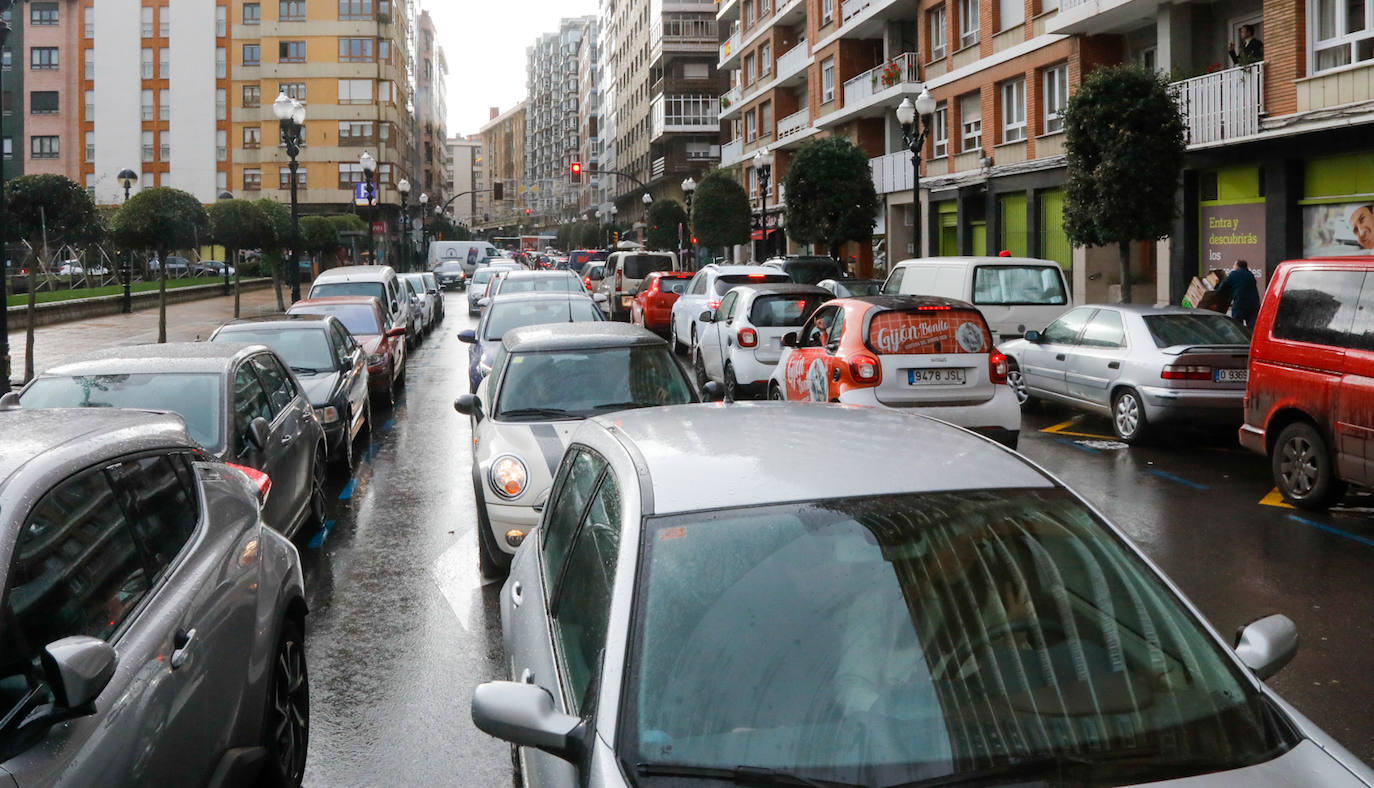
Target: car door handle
x,y
1059,357
182,647
286,439
516,593
1114,365
526,676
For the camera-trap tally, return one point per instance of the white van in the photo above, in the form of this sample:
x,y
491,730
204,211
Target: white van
x,y
470,253
367,280
1013,293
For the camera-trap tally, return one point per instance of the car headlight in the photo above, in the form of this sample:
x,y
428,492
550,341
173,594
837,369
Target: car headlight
x,y
328,414
508,476
376,360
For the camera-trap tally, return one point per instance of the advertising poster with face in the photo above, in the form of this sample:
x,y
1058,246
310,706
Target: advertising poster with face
x,y
1338,229
899,333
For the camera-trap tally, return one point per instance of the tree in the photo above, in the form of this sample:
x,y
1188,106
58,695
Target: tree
x,y
588,235
280,216
239,225
720,211
164,219
442,228
830,195
1125,145
664,217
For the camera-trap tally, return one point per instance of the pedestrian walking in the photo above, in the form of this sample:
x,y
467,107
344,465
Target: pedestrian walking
x,y
1240,287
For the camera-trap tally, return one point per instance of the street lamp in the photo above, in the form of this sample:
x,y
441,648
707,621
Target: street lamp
x,y
369,166
127,178
4,250
915,139
291,116
763,165
226,195
424,228
648,200
404,188
689,188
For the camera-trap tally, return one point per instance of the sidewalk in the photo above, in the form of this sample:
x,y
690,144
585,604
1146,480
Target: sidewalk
x,y
52,345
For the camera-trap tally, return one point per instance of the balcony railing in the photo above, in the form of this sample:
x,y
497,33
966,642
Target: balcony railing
x,y
685,113
1069,5
680,32
793,60
1222,105
899,70
853,8
731,152
892,173
730,47
794,123
730,98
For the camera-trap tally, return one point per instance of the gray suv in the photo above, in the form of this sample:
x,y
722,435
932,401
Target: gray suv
x,y
150,623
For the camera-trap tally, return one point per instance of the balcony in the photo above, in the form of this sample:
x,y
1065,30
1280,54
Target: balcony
x,y
732,152
1222,106
892,173
902,70
1101,16
729,51
682,35
794,124
727,10
853,8
730,103
793,63
691,114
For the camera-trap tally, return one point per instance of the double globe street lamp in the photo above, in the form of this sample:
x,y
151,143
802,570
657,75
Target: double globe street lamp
x,y
915,139
763,165
369,165
403,187
291,117
689,187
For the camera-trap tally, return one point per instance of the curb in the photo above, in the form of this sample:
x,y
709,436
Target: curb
x,y
98,306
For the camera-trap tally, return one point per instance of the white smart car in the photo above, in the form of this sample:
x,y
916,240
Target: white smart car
x,y
741,342
705,292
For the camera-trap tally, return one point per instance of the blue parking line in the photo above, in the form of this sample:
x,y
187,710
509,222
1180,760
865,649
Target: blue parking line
x,y
1179,480
372,452
348,489
317,541
1331,529
388,424
1076,445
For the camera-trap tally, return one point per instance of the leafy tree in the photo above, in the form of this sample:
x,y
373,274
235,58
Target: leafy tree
x,y
280,216
1125,145
442,228
720,211
164,219
588,235
239,225
344,223
830,195
664,217
563,239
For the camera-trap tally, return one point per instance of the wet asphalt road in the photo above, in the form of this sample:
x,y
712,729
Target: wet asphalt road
x,y
402,627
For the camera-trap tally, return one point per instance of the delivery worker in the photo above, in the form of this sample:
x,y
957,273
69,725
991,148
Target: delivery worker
x,y
1240,287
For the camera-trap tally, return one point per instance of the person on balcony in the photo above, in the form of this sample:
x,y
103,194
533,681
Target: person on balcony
x,y
1251,48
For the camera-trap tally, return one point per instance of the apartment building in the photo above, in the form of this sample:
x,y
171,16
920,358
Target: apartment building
x,y
431,112
552,120
503,152
466,174
608,24
48,96
11,89
588,193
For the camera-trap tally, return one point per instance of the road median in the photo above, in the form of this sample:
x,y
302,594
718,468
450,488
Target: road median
x,y
75,309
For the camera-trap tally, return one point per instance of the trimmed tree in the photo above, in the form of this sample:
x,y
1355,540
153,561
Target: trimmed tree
x,y
720,211
163,219
280,217
664,217
238,225
1125,145
830,195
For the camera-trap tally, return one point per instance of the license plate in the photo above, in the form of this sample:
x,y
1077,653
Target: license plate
x,y
935,377
1231,375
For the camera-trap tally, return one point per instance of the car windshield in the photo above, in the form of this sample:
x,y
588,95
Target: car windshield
x,y
638,266
809,272
541,284
1018,284
779,311
451,267
483,275
416,285
882,641
503,317
1171,330
305,350
324,289
359,319
727,281
862,287
580,383
929,332
194,396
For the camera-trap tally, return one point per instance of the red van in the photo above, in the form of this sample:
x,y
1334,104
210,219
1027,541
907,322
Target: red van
x,y
1309,403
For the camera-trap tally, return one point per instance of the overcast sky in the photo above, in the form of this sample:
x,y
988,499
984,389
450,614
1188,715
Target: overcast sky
x,y
484,41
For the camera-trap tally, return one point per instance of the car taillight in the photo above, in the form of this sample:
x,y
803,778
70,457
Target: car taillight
x,y
259,479
653,287
932,307
747,337
998,367
1186,372
713,304
865,369
587,282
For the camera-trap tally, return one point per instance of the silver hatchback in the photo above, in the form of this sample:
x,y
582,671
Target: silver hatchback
x,y
707,599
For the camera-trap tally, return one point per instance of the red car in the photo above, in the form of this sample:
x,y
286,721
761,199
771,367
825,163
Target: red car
x,y
384,344
1309,401
652,306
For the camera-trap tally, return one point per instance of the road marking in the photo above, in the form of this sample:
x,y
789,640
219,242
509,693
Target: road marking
x,y
1275,498
1332,530
1062,428
317,541
1179,480
454,571
347,491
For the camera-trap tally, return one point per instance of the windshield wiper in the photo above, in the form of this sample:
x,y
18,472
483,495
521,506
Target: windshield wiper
x,y
309,371
741,775
536,412
625,405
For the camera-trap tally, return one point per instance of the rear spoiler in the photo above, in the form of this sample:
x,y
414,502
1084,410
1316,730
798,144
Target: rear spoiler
x,y
1178,350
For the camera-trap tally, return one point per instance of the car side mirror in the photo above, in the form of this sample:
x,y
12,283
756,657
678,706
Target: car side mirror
x,y
432,291
1266,645
1032,336
707,317
483,302
469,405
77,669
524,715
468,335
259,432
789,339
398,331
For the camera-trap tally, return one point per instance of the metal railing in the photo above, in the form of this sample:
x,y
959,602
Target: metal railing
x,y
730,47
902,69
853,8
1222,105
685,113
892,173
793,60
794,123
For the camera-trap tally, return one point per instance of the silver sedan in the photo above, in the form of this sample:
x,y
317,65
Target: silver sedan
x,y
1138,365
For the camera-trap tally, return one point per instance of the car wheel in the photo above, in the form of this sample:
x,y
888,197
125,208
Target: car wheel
x,y
348,459
1128,416
286,729
318,471
672,336
731,385
491,559
1302,468
775,392
699,368
1017,382
401,378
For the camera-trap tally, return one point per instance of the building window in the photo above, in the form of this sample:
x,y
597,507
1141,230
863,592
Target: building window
x,y
284,177
90,64
827,11
355,10
291,11
90,25
939,33
349,174
291,52
252,180
751,129
148,152
359,132
1056,97
8,147
1014,110
295,90
1343,31
148,108
384,50
970,123
146,59
165,138
252,137
221,145
766,59
90,106
7,59
90,146
765,6
828,80
355,91
43,58
164,63
146,17
164,17
749,74
41,14
252,13
221,22
43,102
252,96
939,131
766,119
164,105
356,50
221,181
221,104
968,23
748,14
221,62
44,147
252,55
1010,13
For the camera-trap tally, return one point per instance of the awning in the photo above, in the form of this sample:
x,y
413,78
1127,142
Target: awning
x,y
758,234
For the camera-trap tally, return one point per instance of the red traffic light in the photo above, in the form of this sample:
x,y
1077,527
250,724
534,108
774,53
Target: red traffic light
x,y
528,211
577,168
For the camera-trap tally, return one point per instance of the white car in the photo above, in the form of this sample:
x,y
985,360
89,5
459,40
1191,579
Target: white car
x,y
705,292
742,342
424,296
544,381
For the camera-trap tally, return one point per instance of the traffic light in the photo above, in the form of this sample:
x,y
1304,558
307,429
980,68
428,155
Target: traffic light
x,y
615,237
498,191
575,174
528,211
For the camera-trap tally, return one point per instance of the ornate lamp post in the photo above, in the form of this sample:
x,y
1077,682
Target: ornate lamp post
x,y
763,165
127,178
424,227
915,139
226,195
648,200
291,116
404,188
689,188
369,166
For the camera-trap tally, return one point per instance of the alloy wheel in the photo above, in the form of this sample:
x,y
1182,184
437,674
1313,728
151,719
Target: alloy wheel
x,y
1298,466
289,709
1126,415
1018,385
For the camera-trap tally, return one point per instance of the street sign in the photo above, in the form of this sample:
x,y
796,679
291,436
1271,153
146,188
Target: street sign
x,y
378,228
360,195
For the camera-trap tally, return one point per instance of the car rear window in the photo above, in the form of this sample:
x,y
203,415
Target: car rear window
x,y
504,317
305,350
482,276
778,311
638,266
809,272
195,396
1017,284
930,330
1171,330
450,267
357,318
541,284
724,283
374,289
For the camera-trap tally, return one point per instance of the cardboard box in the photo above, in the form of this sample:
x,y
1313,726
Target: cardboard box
x,y
1196,290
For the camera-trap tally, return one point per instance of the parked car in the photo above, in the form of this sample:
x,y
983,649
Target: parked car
x,y
1138,365
688,613
477,283
153,625
378,281
533,282
210,268
513,311
1013,293
239,402
705,291
741,342
652,306
848,288
808,269
932,355
383,342
624,272
427,312
330,365
592,274
450,274
432,284
578,259
1309,401
548,377
177,267
76,268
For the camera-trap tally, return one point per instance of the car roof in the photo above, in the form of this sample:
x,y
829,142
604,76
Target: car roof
x,y
299,320
576,336
1150,309
802,258
506,298
31,433
733,270
713,455
907,301
538,275
341,300
783,288
171,358
354,273
981,259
